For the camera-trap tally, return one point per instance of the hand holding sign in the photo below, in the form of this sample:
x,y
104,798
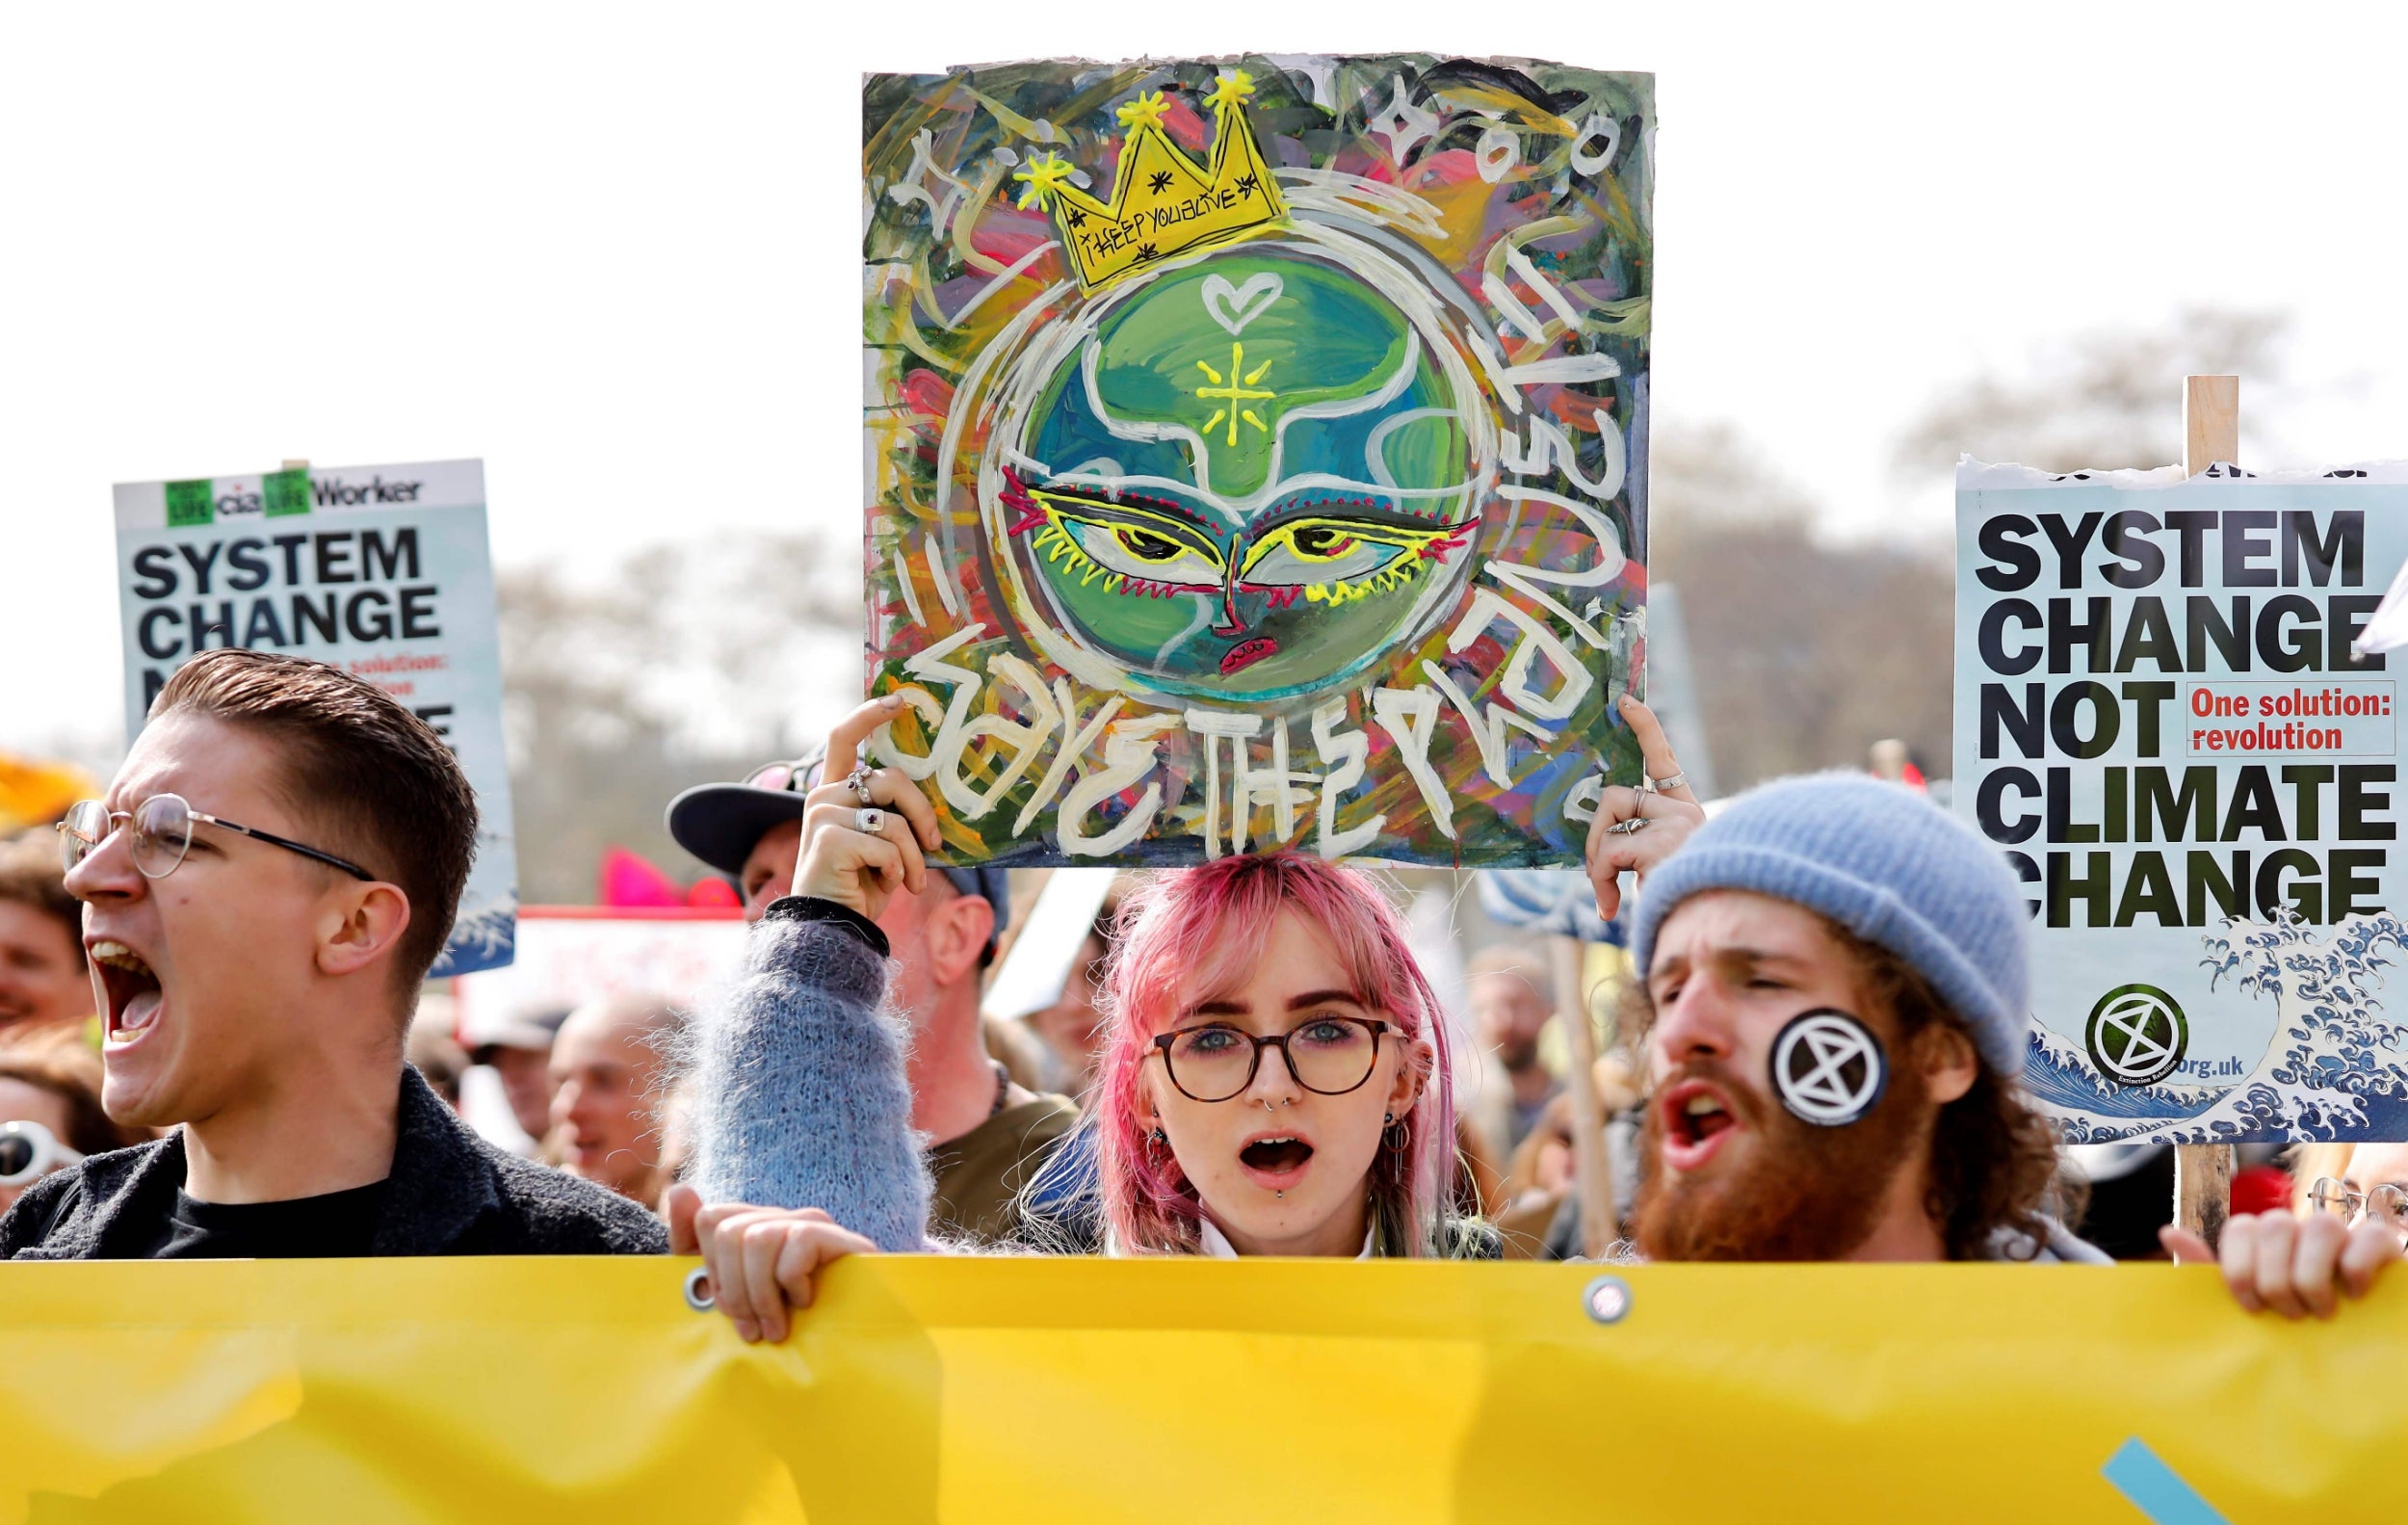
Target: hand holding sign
x,y
1636,829
864,832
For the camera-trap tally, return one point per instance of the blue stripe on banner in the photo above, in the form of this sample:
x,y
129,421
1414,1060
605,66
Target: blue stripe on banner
x,y
2155,1490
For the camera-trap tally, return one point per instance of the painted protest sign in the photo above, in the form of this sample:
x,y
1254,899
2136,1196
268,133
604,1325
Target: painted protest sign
x,y
2160,720
1257,451
381,571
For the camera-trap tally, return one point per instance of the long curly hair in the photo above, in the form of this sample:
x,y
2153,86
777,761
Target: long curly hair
x,y
1182,933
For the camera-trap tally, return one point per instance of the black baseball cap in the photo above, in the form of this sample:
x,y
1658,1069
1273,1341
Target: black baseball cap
x,y
722,822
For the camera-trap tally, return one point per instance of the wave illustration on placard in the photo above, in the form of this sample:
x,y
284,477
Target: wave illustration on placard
x,y
2332,1069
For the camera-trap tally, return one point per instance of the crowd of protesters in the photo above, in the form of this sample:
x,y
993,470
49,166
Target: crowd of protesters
x,y
216,1040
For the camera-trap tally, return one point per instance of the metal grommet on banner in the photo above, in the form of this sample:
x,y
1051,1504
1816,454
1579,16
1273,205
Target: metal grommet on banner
x,y
698,1290
1607,1300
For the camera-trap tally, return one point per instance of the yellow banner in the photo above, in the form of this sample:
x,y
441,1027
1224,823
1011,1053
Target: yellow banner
x,y
925,1388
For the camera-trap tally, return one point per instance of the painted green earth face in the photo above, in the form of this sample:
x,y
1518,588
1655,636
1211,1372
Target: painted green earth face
x,y
1246,481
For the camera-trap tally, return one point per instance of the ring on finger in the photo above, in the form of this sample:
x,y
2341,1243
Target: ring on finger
x,y
1626,827
869,819
1678,780
859,782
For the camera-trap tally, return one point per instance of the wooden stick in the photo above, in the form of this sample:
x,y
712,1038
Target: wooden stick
x,y
2211,421
2202,1172
1592,1181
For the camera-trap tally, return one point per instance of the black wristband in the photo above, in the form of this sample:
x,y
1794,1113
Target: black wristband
x,y
811,908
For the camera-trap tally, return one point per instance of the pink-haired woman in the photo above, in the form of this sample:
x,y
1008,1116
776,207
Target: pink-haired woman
x,y
1275,1078
1275,1075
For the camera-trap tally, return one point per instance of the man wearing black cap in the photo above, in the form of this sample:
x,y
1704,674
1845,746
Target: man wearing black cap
x,y
993,1135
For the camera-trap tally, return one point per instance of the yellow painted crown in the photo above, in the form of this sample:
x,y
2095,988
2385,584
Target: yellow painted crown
x,y
1161,204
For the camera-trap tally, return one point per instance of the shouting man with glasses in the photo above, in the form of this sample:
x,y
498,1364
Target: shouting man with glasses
x,y
273,872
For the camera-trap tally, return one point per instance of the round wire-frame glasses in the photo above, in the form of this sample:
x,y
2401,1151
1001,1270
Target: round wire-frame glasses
x,y
1340,1052
163,833
2385,1205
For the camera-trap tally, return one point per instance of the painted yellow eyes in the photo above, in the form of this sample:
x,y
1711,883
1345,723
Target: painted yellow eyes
x,y
1327,558
1146,547
1321,541
1306,552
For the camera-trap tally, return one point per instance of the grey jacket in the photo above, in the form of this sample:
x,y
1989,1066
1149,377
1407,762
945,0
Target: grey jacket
x,y
450,1194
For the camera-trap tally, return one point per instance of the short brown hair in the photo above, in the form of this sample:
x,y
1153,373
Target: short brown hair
x,y
57,1057
32,875
373,777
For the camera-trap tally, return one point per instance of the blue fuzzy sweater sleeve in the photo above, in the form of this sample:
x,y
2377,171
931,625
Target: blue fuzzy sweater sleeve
x,y
799,1093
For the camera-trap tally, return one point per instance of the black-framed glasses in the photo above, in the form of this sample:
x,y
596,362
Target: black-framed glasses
x,y
163,833
2385,1205
1328,1056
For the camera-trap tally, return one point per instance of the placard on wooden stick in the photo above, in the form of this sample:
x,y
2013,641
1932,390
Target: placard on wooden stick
x,y
2202,1172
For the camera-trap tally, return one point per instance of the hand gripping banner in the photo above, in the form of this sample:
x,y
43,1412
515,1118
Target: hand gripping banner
x,y
931,1388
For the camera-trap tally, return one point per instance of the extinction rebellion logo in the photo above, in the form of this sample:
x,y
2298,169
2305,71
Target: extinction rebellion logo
x,y
2137,1034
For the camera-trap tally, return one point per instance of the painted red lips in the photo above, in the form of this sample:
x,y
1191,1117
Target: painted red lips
x,y
1245,653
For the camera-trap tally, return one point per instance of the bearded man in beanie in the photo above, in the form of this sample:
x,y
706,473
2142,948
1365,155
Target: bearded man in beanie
x,y
1835,1008
1839,924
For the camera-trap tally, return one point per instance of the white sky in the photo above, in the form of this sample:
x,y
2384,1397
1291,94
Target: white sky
x,y
614,252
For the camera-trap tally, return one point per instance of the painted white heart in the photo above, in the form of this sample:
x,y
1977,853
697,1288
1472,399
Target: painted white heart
x,y
1233,307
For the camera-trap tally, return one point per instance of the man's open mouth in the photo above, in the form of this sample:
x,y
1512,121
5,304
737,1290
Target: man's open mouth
x,y
132,988
1701,1119
1693,1119
1275,1156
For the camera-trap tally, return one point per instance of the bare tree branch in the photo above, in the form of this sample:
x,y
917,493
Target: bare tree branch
x,y
2107,399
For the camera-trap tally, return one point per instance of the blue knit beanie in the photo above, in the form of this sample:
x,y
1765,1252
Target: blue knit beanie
x,y
1891,867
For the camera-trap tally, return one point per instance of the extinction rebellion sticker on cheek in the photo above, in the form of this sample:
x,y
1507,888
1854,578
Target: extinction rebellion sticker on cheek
x,y
2341,720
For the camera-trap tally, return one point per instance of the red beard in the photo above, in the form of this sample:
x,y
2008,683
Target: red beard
x,y
1808,1194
